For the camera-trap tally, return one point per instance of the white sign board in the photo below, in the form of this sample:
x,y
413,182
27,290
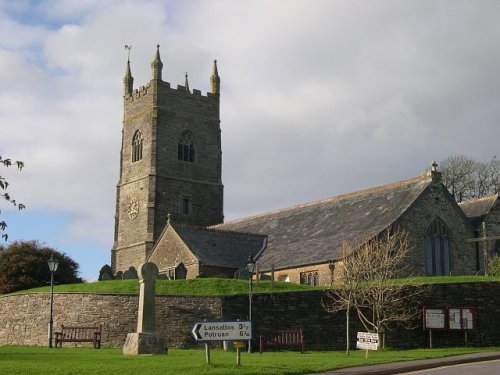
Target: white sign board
x,y
467,319
367,340
462,318
455,321
221,331
434,318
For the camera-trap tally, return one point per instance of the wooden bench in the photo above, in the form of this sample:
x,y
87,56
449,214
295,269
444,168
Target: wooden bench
x,y
79,334
283,338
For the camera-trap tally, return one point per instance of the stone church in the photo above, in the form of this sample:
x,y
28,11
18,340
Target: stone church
x,y
169,204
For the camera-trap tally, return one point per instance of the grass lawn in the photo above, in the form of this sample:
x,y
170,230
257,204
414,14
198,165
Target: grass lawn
x,y
39,360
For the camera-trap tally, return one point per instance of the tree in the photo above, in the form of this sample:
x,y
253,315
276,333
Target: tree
x,y
4,184
467,178
367,276
341,297
23,265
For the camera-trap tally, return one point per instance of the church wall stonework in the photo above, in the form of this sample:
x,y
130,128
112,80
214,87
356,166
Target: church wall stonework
x,y
436,203
24,317
493,228
171,251
325,275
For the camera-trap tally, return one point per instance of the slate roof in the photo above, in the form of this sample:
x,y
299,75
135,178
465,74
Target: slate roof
x,y
313,233
477,209
220,248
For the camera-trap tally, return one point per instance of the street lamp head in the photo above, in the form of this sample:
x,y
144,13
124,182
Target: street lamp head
x,y
250,264
53,264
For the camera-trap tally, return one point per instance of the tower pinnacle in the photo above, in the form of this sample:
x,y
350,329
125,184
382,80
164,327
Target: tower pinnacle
x,y
215,80
157,65
128,81
186,83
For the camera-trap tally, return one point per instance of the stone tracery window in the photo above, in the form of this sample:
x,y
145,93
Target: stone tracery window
x,y
137,147
309,278
185,148
437,249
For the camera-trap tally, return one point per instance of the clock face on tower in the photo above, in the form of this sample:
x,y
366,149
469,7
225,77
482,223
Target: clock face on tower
x,y
133,208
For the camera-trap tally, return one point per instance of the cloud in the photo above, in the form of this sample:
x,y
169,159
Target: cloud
x,y
318,98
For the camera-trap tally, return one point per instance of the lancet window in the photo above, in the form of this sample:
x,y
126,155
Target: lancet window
x,y
137,147
186,149
437,249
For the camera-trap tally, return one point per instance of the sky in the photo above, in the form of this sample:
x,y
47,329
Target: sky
x,y
318,98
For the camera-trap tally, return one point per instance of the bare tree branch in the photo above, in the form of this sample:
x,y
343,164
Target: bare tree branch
x,y
368,272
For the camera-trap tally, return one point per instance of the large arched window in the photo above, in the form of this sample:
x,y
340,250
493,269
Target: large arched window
x,y
137,146
185,148
437,249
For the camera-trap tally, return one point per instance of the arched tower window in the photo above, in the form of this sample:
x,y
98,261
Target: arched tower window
x,y
185,149
437,249
137,146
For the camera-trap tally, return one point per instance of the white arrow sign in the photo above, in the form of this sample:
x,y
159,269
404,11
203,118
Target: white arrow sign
x,y
220,331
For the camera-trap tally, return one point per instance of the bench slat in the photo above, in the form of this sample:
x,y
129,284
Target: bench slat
x,y
79,334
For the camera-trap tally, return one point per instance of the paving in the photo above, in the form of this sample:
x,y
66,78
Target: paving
x,y
409,366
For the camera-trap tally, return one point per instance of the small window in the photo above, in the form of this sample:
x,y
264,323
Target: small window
x,y
137,147
284,278
186,206
185,148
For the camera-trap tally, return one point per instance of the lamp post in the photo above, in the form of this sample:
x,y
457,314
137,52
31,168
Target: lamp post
x,y
331,265
250,269
53,264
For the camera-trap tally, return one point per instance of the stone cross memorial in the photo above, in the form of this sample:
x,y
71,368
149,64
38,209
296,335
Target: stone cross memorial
x,y
146,340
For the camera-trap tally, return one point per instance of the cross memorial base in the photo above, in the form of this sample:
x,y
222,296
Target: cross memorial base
x,y
144,343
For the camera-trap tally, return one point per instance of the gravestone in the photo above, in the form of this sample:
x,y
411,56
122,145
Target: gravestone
x,y
105,273
106,276
180,272
129,274
146,340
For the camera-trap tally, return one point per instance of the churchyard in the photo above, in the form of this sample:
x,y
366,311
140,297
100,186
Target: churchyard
x,y
39,359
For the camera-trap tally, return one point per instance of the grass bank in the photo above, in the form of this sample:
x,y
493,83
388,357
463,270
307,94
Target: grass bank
x,y
204,287
40,361
218,287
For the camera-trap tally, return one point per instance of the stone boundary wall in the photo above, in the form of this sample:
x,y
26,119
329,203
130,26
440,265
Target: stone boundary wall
x,y
24,317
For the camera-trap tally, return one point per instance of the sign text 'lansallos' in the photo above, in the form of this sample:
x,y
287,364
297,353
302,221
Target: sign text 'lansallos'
x,y
221,331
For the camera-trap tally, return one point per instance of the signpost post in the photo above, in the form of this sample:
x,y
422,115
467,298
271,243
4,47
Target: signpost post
x,y
221,331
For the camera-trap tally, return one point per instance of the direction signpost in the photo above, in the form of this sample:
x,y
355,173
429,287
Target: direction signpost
x,y
222,331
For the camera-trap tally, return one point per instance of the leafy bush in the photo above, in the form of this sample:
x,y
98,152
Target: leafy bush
x,y
494,266
23,264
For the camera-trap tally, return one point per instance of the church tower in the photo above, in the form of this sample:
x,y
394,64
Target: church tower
x,y
170,163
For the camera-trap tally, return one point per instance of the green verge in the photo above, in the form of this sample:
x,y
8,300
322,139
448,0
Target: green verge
x,y
38,360
219,287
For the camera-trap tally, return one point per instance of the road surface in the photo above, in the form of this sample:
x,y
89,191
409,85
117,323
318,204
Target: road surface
x,y
478,368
